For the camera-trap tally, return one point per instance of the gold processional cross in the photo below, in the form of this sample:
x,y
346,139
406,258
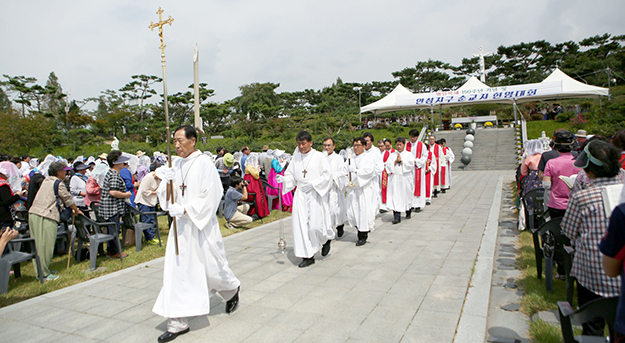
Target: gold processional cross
x,y
160,25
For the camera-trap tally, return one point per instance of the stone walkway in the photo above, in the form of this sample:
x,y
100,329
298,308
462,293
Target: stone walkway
x,y
425,280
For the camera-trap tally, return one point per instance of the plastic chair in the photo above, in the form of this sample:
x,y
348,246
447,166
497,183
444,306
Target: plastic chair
x,y
271,197
552,240
569,255
599,308
139,227
14,258
90,231
534,216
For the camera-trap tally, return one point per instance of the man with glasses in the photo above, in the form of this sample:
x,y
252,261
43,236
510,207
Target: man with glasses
x,y
362,203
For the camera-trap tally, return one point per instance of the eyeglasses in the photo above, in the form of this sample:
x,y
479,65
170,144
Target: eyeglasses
x,y
357,144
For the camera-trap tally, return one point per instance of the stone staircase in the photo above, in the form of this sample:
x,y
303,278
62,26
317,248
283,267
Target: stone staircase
x,y
493,149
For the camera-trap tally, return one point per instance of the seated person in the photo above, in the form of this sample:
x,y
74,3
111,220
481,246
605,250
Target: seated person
x,y
146,200
236,214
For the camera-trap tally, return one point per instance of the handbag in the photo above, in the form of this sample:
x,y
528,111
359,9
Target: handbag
x,y
65,213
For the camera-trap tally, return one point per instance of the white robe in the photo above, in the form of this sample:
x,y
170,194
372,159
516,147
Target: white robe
x,y
433,168
450,158
376,158
337,190
362,205
201,266
437,171
311,213
419,201
400,181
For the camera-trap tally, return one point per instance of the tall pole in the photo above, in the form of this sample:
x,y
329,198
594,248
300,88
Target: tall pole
x,y
160,25
196,88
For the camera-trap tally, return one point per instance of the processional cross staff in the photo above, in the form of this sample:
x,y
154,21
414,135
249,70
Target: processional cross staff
x,y
170,187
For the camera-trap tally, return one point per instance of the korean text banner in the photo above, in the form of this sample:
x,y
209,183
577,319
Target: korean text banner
x,y
486,94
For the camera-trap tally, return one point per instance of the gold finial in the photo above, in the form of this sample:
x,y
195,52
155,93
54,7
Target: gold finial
x,y
160,25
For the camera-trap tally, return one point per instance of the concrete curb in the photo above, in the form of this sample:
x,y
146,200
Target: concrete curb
x,y
474,317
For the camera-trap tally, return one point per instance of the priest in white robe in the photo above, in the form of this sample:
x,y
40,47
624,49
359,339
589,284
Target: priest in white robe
x,y
200,268
376,158
311,173
337,190
362,204
400,169
449,159
420,152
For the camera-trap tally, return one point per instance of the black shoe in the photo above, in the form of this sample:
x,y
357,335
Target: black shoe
x,y
383,211
444,191
361,242
395,221
408,215
435,195
233,303
418,209
326,248
168,336
339,230
307,262
428,202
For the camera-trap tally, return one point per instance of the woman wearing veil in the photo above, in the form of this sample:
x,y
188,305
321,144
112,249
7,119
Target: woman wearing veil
x,y
529,166
94,183
255,186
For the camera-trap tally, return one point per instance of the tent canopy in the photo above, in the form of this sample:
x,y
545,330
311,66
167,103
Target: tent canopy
x,y
558,85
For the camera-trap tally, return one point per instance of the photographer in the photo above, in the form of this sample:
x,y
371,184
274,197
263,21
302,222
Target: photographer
x,y
236,214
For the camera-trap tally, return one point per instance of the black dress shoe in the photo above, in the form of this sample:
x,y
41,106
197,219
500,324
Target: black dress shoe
x,y
444,191
326,248
361,242
339,231
408,215
435,195
233,303
307,262
383,211
418,209
168,336
393,222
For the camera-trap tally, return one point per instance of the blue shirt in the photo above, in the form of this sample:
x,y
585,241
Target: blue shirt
x,y
613,245
232,201
243,159
130,186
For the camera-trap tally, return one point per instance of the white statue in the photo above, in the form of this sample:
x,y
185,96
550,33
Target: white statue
x,y
481,55
115,144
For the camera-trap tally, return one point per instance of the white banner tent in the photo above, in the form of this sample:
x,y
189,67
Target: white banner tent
x,y
572,88
387,103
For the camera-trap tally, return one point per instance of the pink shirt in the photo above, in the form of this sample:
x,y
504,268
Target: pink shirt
x,y
530,163
561,165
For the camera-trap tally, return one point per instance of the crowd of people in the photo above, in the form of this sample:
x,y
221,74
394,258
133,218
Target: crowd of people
x,y
576,172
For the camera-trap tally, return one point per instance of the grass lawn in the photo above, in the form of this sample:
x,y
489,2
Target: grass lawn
x,y
28,286
535,127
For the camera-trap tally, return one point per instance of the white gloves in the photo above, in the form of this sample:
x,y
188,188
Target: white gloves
x,y
279,179
166,174
176,210
305,187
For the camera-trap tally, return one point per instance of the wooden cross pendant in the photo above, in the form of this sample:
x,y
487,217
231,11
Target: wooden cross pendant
x,y
304,172
183,187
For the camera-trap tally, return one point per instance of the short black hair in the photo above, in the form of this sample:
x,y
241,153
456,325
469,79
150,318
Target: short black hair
x,y
414,133
387,140
25,157
16,160
303,136
400,139
368,134
619,139
330,139
243,149
360,139
113,156
218,149
443,140
189,131
235,181
606,153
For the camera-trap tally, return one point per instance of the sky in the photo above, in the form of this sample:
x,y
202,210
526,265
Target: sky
x,y
301,44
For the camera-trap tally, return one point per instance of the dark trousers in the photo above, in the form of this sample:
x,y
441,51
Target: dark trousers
x,y
147,218
555,213
112,247
558,254
594,327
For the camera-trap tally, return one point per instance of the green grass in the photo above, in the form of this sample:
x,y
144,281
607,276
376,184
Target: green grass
x,y
28,286
534,128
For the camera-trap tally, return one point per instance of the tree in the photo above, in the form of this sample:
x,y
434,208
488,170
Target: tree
x,y
140,89
258,100
429,76
181,104
20,86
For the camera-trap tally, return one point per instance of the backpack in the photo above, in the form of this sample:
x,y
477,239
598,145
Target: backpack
x,y
65,214
33,188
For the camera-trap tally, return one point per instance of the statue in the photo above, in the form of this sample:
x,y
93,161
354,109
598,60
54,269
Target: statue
x,y
115,144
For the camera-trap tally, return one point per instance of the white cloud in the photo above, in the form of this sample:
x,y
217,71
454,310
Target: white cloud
x,y
93,46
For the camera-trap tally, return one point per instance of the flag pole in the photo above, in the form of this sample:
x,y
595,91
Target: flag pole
x,y
170,189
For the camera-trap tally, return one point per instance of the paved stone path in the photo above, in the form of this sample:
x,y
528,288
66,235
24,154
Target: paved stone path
x,y
411,282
